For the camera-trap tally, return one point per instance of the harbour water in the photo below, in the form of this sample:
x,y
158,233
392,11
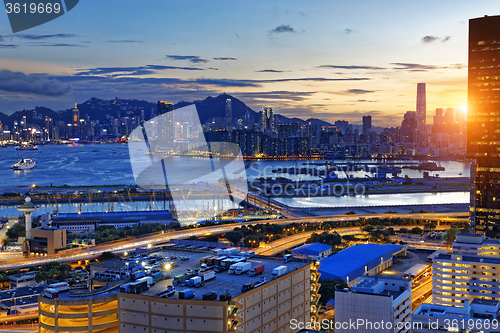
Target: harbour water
x,y
109,164
379,200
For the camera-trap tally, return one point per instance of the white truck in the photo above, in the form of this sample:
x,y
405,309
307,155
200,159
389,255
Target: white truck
x,y
150,280
242,267
233,267
196,281
207,275
279,271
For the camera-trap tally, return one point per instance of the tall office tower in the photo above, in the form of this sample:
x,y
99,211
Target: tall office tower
x,y
483,124
449,117
267,120
229,112
165,137
75,121
367,128
421,114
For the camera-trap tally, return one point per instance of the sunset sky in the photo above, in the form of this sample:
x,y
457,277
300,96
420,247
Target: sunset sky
x,y
325,59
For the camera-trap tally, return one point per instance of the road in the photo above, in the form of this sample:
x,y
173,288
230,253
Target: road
x,y
130,244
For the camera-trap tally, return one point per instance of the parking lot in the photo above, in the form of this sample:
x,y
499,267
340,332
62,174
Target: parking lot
x,y
223,283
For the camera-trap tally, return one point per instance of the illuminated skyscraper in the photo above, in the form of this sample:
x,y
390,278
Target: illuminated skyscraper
x,y
75,121
165,136
483,123
229,112
421,114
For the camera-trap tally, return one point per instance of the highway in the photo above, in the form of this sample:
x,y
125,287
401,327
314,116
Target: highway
x,y
130,244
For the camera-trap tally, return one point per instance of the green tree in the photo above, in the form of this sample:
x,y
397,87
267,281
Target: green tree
x,y
234,237
430,226
328,287
211,238
106,255
17,230
416,230
368,228
450,234
404,230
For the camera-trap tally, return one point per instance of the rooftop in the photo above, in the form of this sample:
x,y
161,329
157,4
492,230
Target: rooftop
x,y
467,258
316,247
21,292
355,257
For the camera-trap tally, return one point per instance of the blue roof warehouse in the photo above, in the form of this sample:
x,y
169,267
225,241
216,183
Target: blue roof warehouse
x,y
358,260
315,251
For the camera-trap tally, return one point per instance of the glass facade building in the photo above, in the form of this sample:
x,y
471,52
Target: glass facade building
x,y
483,123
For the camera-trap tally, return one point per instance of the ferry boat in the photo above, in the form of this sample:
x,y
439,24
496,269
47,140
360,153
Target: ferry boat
x,y
24,164
26,146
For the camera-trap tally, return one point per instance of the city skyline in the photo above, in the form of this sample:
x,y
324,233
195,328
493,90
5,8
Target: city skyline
x,y
345,64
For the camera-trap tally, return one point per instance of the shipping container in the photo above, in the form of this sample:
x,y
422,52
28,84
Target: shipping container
x,y
186,293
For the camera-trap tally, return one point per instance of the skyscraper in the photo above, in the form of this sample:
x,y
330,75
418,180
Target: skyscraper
x,y
165,136
421,114
367,128
267,119
483,123
75,120
229,112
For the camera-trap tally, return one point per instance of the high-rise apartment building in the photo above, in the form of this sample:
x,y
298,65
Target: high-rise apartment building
x,y
267,120
421,114
483,123
460,278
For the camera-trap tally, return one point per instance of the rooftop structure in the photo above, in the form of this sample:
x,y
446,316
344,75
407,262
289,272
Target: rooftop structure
x,y
476,245
375,300
358,260
74,222
315,251
430,318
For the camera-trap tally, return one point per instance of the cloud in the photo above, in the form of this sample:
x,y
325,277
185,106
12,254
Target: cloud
x,y
414,67
8,46
193,59
320,79
347,31
227,82
124,71
39,37
125,41
430,39
39,84
358,91
56,45
225,58
269,71
365,100
282,29
350,67
278,95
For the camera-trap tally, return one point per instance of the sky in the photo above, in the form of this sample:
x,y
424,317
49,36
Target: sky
x,y
323,59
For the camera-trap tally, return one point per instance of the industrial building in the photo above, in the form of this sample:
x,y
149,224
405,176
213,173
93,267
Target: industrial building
x,y
314,251
476,245
25,279
375,301
242,303
479,316
460,278
78,222
365,259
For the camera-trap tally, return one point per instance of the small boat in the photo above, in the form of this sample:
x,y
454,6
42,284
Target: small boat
x,y
26,146
24,164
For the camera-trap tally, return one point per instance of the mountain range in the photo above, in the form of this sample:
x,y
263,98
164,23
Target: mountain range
x,y
103,110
